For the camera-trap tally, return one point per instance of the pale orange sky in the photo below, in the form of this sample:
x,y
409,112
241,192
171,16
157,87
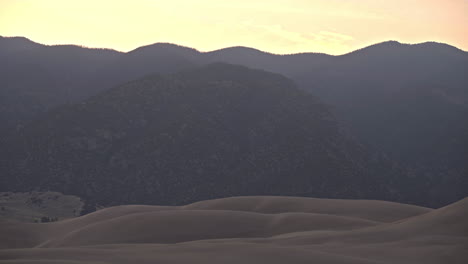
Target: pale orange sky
x,y
282,26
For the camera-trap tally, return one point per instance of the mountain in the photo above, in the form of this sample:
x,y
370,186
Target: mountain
x,y
406,101
215,131
11,45
36,78
409,101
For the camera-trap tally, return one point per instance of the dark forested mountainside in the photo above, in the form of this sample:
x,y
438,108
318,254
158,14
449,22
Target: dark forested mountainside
x,y
35,78
217,131
407,101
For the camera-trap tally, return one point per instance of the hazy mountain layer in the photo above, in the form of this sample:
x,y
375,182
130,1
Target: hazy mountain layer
x,y
216,131
407,101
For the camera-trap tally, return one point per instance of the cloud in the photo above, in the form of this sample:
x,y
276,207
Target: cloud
x,y
334,42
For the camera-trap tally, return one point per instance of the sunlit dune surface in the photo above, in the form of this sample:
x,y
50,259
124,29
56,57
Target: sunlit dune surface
x,y
247,230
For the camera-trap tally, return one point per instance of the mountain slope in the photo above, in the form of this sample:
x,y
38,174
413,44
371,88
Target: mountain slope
x,y
215,131
36,78
406,101
409,101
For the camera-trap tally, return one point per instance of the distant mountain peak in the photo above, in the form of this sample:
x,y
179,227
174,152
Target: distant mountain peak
x,y
438,45
16,38
164,47
389,43
239,50
11,44
396,46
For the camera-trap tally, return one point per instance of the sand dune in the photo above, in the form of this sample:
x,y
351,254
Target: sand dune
x,y
366,209
177,226
247,230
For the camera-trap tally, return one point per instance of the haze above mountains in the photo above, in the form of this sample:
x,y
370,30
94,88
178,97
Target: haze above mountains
x,y
387,121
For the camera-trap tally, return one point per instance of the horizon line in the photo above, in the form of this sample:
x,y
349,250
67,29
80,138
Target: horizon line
x,y
236,46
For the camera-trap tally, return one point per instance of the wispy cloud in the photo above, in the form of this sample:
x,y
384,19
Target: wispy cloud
x,y
298,41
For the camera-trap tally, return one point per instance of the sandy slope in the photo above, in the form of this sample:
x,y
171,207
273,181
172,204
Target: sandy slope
x,y
247,230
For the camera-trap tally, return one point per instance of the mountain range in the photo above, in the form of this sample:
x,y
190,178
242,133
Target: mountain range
x,y
391,116
215,131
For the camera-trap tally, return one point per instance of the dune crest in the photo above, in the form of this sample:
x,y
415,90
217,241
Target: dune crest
x,y
260,229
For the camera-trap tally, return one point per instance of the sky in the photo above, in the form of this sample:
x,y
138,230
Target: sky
x,y
276,26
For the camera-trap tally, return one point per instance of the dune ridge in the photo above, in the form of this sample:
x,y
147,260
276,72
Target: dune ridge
x,y
247,230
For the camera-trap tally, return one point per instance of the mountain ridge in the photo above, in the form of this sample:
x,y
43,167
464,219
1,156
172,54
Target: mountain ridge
x,y
169,44
406,102
208,132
